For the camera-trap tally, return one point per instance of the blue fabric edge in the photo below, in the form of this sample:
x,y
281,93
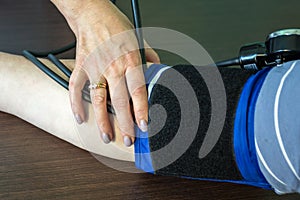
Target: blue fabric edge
x,y
142,150
244,146
244,182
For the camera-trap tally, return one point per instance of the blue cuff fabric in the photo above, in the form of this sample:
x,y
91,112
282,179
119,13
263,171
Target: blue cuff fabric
x,y
244,145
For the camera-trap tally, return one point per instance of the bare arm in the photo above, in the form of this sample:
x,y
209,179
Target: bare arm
x,y
31,95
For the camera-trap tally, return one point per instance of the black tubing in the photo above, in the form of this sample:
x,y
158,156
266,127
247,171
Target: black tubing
x,y
46,70
138,31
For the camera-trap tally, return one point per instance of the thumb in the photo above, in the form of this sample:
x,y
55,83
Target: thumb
x,y
151,55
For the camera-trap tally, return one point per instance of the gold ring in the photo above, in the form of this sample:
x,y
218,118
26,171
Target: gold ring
x,y
97,86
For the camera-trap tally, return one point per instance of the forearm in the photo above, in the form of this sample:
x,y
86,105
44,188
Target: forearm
x,y
24,94
29,94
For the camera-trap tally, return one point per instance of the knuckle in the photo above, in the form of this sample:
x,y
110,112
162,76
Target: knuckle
x,y
114,73
120,103
75,82
138,92
128,129
71,85
114,68
98,99
140,113
132,61
102,125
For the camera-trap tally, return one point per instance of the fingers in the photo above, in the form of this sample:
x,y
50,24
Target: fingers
x,y
76,83
120,102
99,101
137,90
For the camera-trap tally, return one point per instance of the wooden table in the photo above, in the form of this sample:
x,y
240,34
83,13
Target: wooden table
x,y
36,165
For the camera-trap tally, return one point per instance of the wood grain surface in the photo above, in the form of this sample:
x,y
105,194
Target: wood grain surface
x,y
36,165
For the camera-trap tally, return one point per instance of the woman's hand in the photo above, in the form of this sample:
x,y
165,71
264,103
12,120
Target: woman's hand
x,y
107,55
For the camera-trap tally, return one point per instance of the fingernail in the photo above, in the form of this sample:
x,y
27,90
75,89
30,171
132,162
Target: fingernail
x,y
127,141
143,125
105,138
78,119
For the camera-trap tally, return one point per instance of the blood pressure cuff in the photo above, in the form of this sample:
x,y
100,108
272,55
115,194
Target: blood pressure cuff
x,y
243,151
277,128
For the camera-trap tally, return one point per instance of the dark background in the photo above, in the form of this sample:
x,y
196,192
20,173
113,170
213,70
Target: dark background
x,y
36,165
220,26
